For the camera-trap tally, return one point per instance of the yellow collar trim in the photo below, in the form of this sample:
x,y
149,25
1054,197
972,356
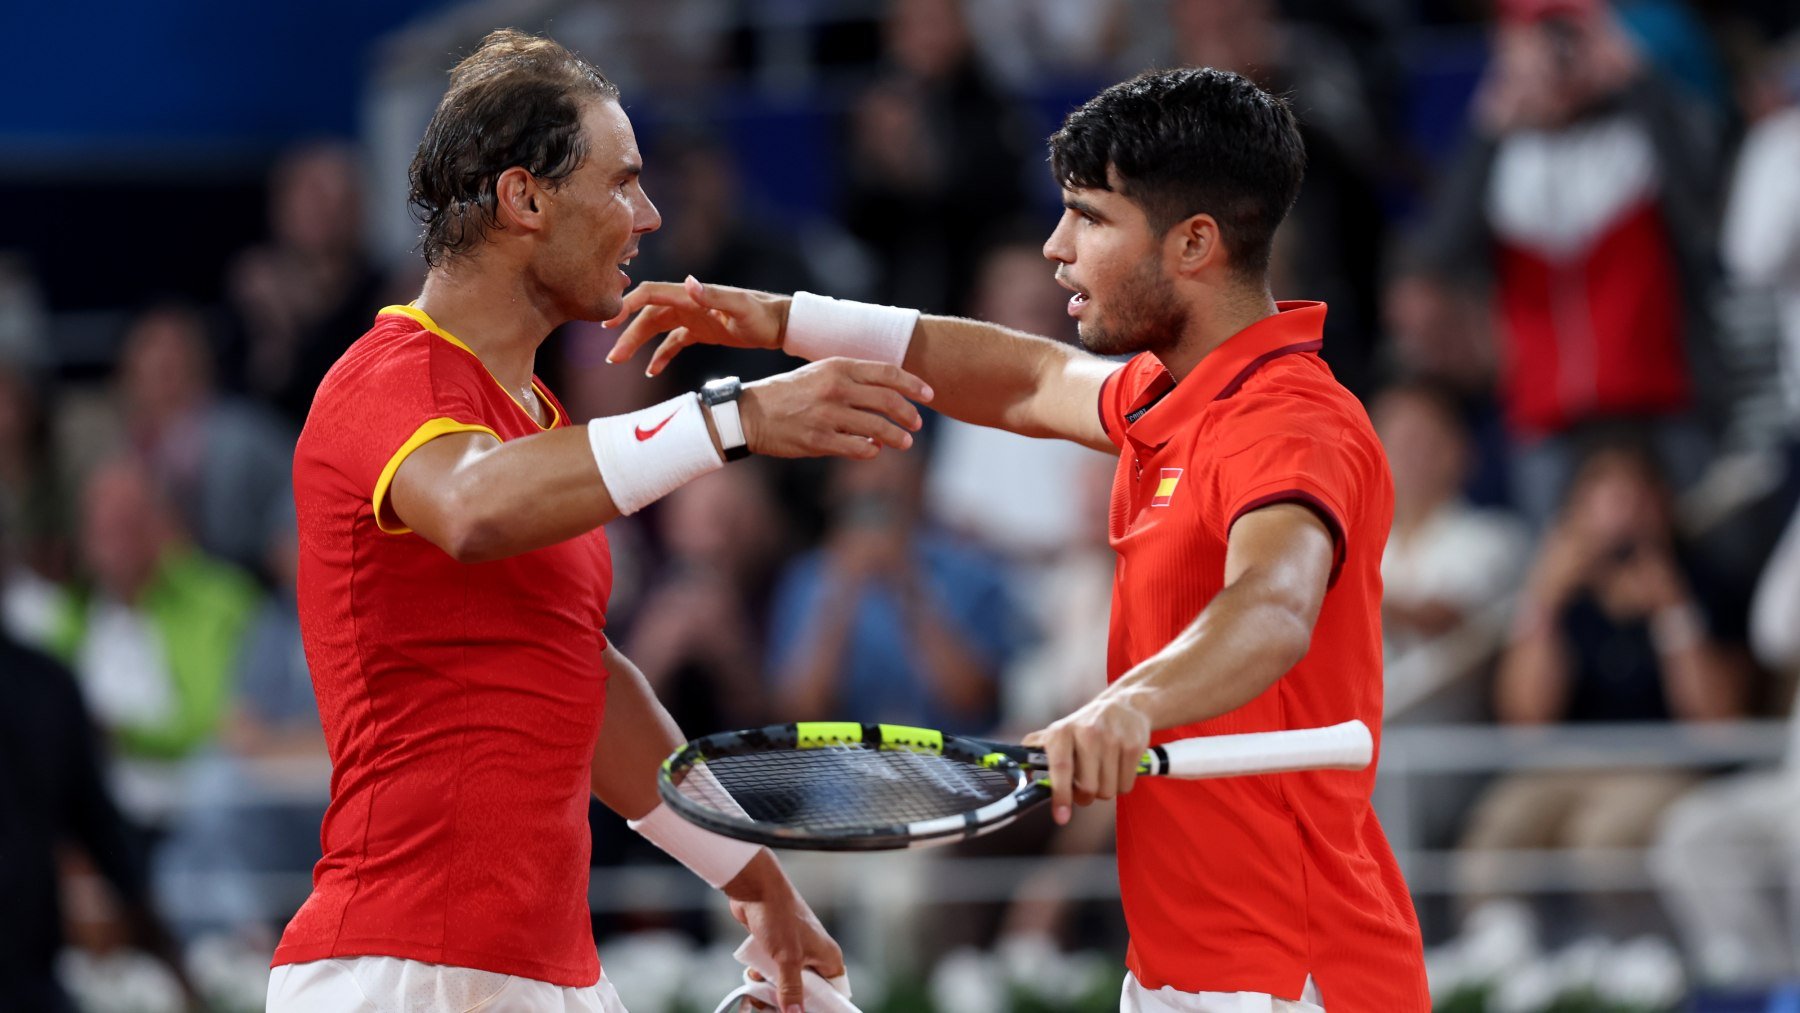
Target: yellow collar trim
x,y
424,320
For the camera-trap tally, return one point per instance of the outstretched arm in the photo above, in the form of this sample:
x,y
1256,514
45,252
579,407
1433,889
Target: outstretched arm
x,y
637,736
994,376
980,373
480,499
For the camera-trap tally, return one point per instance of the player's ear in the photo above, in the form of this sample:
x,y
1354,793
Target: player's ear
x,y
1194,245
518,200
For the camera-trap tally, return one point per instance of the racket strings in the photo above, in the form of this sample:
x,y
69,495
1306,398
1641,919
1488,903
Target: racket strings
x,y
843,787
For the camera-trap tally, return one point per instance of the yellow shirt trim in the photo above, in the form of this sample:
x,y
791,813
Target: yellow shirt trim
x,y
424,320
431,430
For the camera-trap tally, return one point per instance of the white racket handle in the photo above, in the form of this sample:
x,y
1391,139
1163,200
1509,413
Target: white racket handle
x,y
1347,746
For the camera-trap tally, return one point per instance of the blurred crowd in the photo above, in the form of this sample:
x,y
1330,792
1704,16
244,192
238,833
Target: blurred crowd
x,y
1571,304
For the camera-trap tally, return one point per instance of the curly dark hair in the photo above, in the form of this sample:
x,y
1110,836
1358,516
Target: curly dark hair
x,y
1187,142
516,100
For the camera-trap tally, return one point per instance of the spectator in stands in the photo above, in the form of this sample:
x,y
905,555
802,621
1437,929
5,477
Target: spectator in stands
x,y
1585,194
1761,237
889,621
1059,672
1330,245
33,508
1027,43
223,462
254,803
698,637
1728,853
1049,523
710,232
1437,327
1449,571
53,794
1037,516
1613,625
154,631
936,156
300,298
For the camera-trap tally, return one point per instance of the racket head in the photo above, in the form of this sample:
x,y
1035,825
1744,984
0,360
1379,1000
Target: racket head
x,y
844,786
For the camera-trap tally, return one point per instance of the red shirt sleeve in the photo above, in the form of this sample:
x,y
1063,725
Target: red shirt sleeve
x,y
1277,452
393,400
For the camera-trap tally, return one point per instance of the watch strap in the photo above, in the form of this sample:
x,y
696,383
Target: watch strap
x,y
721,400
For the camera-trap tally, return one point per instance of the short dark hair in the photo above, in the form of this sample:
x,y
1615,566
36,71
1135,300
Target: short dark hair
x,y
1187,142
516,100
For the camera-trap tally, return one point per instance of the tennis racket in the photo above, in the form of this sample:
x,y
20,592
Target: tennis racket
x,y
842,786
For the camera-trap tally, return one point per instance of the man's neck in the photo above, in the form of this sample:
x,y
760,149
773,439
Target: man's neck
x,y
1212,324
496,313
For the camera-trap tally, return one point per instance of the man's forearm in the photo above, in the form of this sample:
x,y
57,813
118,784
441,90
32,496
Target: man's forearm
x,y
638,734
520,496
1233,652
989,375
1277,571
548,488
980,372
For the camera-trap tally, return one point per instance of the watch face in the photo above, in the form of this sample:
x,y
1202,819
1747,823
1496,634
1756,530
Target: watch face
x,y
723,389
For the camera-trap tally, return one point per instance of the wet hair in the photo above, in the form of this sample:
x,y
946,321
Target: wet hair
x,y
515,101
1187,142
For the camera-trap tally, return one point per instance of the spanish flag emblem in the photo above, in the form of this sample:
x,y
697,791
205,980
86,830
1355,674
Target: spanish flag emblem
x,y
1165,488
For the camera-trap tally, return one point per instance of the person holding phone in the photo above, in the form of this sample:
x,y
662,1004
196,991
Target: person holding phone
x,y
889,620
1616,623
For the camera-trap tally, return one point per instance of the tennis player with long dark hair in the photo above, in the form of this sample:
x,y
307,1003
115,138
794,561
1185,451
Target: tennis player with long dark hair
x,y
454,578
1250,508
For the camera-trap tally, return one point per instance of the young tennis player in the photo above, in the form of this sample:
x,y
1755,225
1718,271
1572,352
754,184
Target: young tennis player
x,y
453,576
1250,507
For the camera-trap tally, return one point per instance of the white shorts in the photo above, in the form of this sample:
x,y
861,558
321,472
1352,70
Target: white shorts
x,y
392,985
1135,998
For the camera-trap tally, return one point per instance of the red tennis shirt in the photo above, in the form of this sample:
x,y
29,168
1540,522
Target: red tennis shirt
x,y
461,702
1251,884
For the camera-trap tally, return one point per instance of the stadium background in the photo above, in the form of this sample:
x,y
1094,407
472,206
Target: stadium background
x,y
205,201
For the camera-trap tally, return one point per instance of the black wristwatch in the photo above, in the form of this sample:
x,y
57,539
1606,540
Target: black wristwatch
x,y
721,400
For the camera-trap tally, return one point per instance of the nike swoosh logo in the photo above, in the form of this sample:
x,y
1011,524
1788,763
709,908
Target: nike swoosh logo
x,y
644,434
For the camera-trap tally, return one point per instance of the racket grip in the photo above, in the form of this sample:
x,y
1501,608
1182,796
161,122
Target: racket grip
x,y
1346,746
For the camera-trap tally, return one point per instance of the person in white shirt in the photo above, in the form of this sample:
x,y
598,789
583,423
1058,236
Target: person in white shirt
x,y
1450,569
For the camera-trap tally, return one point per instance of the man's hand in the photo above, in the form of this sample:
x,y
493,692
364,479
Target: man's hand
x,y
1565,562
766,903
695,314
1093,752
840,407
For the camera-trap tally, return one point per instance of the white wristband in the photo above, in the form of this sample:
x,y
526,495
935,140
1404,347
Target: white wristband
x,y
820,327
712,857
647,454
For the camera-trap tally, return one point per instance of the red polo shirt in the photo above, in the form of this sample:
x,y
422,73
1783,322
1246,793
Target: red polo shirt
x,y
1251,884
461,702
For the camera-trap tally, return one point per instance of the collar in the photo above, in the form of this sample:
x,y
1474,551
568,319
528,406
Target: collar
x,y
1165,406
423,319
